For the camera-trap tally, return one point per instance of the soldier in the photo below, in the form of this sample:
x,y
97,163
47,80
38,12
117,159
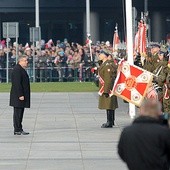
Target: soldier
x,y
161,64
164,81
150,64
106,73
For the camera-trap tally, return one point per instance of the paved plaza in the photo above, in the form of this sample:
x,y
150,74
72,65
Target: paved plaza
x,y
65,134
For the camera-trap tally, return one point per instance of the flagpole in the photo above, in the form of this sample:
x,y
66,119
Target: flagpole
x,y
129,35
87,17
114,37
88,26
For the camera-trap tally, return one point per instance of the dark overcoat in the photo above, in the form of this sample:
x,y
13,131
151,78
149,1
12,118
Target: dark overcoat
x,y
107,73
145,145
20,87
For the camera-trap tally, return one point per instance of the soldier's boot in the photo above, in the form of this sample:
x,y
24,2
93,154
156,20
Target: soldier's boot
x,y
109,123
113,115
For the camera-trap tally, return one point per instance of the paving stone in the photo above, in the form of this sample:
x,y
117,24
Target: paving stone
x,y
65,134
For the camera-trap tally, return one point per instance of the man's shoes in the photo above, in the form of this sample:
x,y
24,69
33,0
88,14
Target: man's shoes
x,y
107,125
21,133
24,133
17,133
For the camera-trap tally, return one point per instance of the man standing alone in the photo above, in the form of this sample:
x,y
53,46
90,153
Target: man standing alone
x,y
20,94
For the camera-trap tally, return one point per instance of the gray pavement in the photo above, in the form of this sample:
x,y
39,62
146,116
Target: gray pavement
x,y
65,134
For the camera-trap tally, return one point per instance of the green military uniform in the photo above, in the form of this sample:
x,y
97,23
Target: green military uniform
x,y
151,63
162,79
114,68
107,73
158,65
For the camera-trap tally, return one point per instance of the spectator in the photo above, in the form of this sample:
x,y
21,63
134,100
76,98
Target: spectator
x,y
70,65
61,64
28,53
2,66
76,62
145,145
42,65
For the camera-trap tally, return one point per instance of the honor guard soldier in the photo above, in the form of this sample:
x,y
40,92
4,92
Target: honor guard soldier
x,y
150,64
164,81
106,76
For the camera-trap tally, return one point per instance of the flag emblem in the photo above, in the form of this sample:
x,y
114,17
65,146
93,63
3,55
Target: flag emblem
x,y
132,83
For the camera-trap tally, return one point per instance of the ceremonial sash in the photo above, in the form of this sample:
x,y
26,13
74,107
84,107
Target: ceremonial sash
x,y
102,88
101,91
166,95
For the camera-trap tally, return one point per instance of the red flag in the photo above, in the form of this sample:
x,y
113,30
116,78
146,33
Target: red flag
x,y
136,42
131,83
49,44
88,41
142,38
116,40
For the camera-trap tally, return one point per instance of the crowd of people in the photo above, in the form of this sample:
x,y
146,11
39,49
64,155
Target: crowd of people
x,y
60,61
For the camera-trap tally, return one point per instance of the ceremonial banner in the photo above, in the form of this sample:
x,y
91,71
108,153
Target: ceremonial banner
x,y
131,83
142,38
116,40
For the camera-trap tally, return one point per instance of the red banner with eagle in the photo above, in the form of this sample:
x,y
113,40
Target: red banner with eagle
x,y
132,83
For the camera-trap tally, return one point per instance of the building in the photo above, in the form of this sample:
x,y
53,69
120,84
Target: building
x,y
61,19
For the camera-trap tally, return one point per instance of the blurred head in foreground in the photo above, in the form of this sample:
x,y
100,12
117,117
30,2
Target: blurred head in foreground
x,y
151,107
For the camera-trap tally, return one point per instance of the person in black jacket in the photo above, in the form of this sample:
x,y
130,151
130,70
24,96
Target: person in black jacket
x,y
145,145
20,94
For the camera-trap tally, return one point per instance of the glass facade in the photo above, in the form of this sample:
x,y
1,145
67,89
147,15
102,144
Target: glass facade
x,y
60,20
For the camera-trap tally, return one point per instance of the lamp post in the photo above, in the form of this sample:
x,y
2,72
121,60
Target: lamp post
x,y
37,18
87,17
37,24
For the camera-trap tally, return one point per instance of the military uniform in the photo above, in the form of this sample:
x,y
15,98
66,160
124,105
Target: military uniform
x,y
151,63
114,68
107,73
164,81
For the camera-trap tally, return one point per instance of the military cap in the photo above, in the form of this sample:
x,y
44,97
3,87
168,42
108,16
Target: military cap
x,y
163,50
105,52
154,45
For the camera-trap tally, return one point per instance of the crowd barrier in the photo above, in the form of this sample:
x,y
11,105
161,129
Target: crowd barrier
x,y
52,74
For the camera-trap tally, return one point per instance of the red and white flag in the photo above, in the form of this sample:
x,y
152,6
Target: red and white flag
x,y
88,41
136,42
132,83
116,40
49,44
141,39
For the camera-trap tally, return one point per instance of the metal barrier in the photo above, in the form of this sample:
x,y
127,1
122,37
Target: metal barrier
x,y
53,74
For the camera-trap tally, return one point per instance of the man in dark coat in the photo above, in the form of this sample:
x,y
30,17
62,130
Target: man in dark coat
x,y
20,94
145,145
107,75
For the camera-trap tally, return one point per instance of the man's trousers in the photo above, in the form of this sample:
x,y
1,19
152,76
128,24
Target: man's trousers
x,y
17,118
